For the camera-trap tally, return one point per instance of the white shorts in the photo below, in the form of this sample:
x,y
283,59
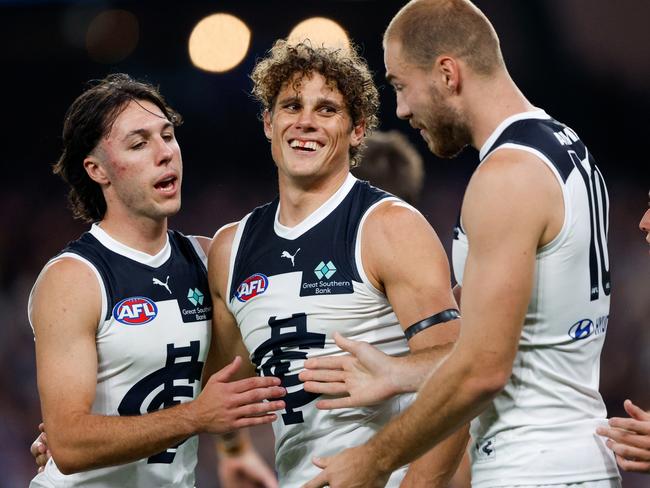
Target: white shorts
x,y
608,483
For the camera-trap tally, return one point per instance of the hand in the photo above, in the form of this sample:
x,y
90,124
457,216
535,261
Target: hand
x,y
352,468
365,376
629,438
223,407
245,470
40,450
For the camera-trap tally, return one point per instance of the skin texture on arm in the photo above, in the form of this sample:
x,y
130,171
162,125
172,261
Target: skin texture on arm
x,y
65,313
404,258
499,270
411,267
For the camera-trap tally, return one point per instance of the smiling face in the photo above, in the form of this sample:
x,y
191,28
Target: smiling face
x,y
311,131
424,105
138,164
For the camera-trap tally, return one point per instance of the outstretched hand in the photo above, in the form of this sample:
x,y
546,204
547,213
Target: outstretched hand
x,y
224,406
362,378
629,438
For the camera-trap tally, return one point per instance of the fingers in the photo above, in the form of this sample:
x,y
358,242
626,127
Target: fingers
x,y
325,375
326,388
322,479
632,465
225,373
348,345
254,382
258,409
251,421
331,404
632,425
331,362
257,395
635,412
629,452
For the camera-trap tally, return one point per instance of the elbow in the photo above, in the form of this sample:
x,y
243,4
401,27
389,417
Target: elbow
x,y
68,458
489,382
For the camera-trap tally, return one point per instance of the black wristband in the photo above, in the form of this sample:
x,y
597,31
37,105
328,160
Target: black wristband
x,y
439,318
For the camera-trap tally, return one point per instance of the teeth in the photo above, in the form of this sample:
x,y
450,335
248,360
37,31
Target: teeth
x,y
311,145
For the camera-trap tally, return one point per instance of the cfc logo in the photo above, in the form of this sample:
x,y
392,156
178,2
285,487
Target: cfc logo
x,y
135,311
251,287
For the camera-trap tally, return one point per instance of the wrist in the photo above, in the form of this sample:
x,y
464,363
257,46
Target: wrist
x,y
396,378
381,458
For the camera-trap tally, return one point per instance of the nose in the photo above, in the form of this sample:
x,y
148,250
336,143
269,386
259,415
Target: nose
x,y
403,111
644,225
165,152
306,121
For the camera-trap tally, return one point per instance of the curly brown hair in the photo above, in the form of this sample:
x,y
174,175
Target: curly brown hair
x,y
343,69
89,118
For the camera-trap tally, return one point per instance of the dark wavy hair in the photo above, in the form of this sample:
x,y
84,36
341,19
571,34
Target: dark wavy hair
x,y
89,118
343,69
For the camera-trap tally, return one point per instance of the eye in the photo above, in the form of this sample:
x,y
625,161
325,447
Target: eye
x,y
291,107
138,145
327,109
168,136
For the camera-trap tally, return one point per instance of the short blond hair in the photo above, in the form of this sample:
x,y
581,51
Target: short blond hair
x,y
427,29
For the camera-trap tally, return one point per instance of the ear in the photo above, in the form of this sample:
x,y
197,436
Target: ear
x,y
96,170
448,72
358,133
268,126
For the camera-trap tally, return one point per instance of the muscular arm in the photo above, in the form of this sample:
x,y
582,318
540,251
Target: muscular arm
x,y
499,270
65,312
411,267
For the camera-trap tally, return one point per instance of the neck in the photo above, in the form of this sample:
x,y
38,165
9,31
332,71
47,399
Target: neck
x,y
490,102
299,201
143,234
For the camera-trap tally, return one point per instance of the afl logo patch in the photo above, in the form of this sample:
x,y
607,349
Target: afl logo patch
x,y
251,287
135,311
581,329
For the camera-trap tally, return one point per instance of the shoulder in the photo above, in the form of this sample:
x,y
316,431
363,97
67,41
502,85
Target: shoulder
x,y
66,286
219,257
511,186
392,219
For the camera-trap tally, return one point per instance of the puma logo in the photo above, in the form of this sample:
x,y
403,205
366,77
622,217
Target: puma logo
x,y
285,254
156,281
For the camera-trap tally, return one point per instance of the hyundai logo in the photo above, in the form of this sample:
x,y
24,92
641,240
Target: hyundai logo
x,y
581,329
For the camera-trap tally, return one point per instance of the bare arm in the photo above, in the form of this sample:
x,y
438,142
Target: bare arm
x,y
410,265
239,464
65,313
501,255
412,268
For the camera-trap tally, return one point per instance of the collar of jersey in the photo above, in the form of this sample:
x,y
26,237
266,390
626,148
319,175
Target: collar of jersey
x,y
534,114
291,233
123,250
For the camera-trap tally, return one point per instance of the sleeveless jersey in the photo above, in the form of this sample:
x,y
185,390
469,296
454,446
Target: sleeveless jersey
x,y
151,346
290,289
541,428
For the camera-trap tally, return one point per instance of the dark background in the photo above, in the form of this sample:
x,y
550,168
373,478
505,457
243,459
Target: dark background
x,y
586,62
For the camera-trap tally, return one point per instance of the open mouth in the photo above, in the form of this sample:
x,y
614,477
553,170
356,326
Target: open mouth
x,y
305,146
167,184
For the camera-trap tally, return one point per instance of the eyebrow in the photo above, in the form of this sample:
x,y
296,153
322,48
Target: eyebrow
x,y
145,132
319,101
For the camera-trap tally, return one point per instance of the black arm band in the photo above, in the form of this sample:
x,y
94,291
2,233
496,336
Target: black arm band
x,y
439,318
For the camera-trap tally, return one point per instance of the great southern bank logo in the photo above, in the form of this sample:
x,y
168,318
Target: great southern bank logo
x,y
325,270
135,311
251,287
195,296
